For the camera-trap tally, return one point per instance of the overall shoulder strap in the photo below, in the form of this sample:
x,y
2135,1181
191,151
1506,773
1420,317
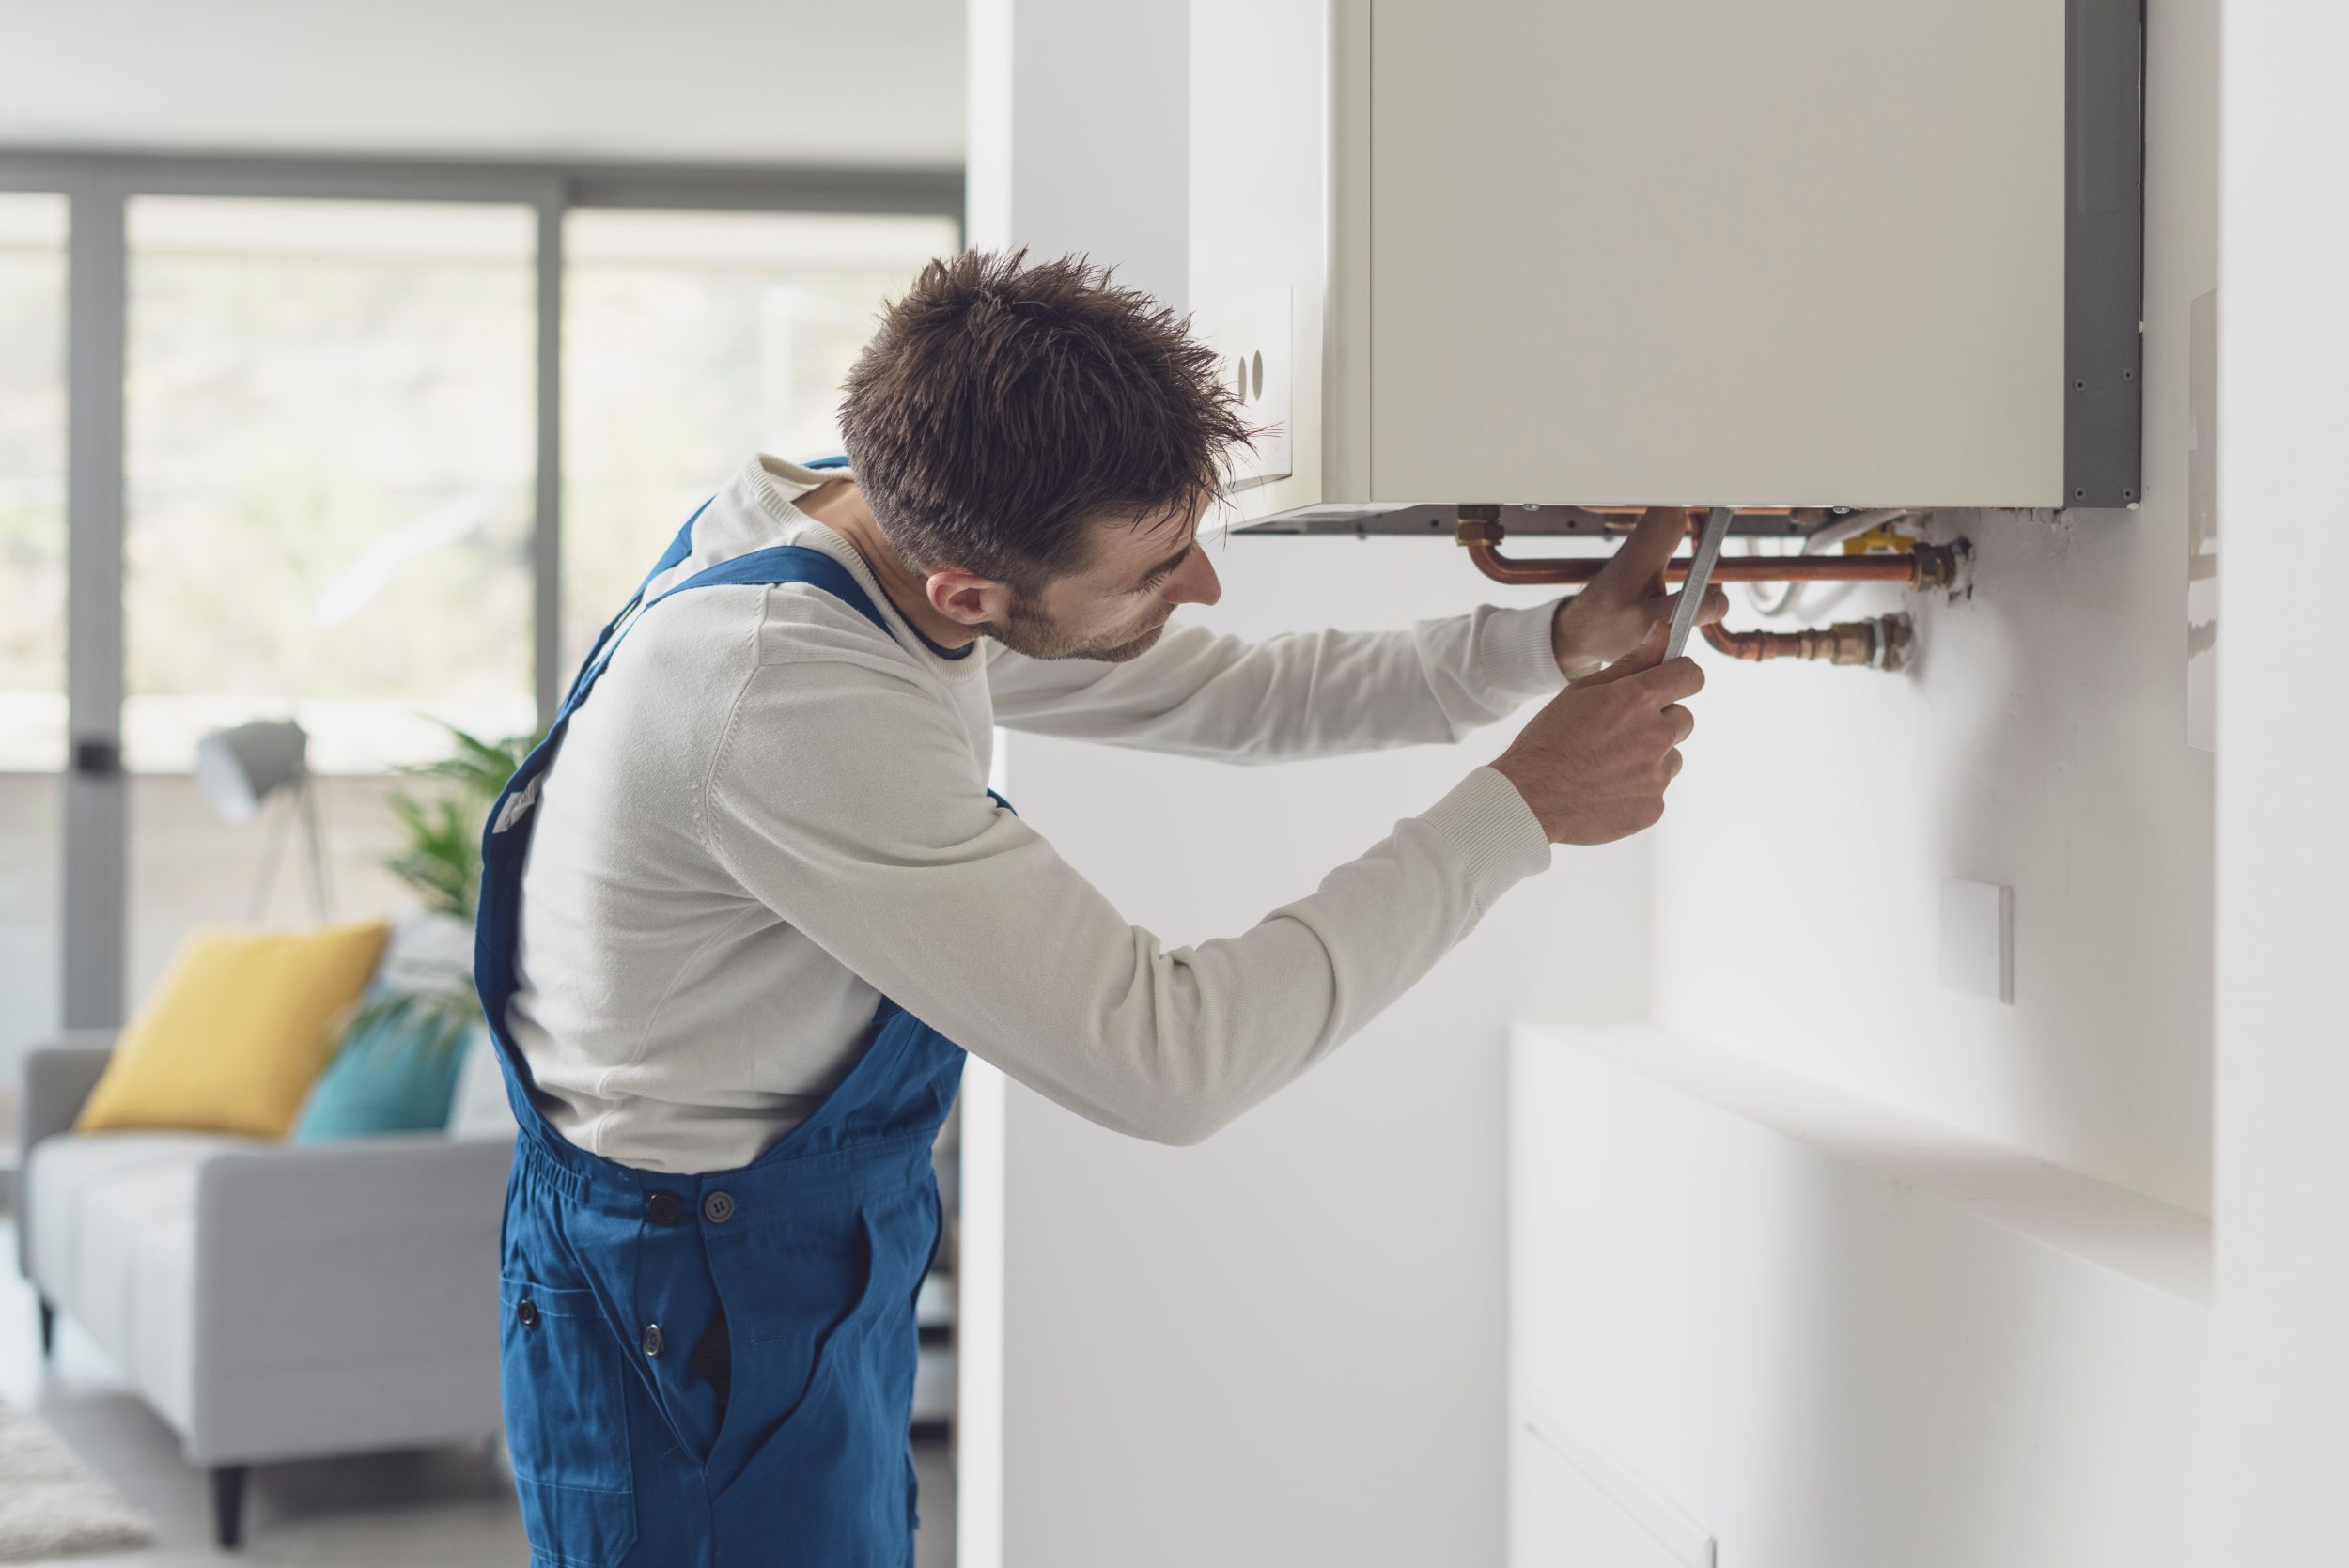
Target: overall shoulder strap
x,y
679,548
789,564
774,564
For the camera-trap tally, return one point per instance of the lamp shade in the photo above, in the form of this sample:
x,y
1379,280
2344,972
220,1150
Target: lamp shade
x,y
238,767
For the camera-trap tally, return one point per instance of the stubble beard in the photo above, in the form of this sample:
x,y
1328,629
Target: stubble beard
x,y
1036,636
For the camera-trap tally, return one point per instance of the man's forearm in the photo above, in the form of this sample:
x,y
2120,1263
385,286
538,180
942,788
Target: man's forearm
x,y
1301,695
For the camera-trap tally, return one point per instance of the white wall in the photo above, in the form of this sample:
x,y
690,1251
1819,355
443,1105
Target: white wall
x,y
2041,743
1284,1345
2283,839
1829,1366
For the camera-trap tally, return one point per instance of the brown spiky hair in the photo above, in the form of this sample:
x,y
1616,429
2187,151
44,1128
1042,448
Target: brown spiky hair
x,y
1006,406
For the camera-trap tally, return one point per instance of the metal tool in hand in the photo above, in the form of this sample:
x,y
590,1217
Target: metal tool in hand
x,y
1692,587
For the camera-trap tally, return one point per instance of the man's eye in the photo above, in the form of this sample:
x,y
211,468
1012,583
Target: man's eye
x,y
1162,573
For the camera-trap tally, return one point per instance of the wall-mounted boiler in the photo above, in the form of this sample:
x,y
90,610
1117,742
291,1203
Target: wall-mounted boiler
x,y
1547,255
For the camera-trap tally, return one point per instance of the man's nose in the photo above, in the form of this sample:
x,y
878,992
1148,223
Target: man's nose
x,y
1194,582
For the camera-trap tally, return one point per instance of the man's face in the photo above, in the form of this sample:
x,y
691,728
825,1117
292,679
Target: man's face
x,y
1115,606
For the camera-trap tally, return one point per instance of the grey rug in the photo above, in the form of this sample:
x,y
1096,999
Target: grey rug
x,y
53,1505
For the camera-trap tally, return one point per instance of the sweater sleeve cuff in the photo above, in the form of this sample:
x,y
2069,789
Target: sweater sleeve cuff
x,y
1498,839
1515,655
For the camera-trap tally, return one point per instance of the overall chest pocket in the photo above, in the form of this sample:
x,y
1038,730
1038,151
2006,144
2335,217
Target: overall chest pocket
x,y
563,1378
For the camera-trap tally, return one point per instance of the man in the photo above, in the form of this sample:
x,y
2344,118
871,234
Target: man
x,y
770,901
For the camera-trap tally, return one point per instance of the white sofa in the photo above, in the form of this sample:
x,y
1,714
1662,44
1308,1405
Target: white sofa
x,y
271,1301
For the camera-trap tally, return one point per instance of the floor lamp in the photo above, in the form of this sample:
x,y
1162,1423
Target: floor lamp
x,y
239,770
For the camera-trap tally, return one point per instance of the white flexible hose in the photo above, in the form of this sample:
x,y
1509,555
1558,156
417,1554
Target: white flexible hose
x,y
1788,600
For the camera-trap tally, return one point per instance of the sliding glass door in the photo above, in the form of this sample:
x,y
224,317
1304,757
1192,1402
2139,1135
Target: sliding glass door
x,y
375,447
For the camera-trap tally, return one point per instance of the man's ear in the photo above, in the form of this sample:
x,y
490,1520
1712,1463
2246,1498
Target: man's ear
x,y
967,598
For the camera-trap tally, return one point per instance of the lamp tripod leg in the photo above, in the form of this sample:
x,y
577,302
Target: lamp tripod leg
x,y
320,896
269,864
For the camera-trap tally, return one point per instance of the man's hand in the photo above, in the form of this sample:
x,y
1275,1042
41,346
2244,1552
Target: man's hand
x,y
1595,763
1627,601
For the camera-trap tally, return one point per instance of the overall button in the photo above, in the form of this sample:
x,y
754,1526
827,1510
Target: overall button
x,y
653,1339
527,1312
665,1208
718,1208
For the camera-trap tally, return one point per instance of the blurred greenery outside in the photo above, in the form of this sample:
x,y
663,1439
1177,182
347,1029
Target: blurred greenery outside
x,y
329,448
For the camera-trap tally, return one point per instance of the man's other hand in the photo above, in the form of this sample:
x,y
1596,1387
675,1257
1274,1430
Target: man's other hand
x,y
1595,763
1627,601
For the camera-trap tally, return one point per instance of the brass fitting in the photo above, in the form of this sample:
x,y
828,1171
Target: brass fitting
x,y
1478,525
1881,642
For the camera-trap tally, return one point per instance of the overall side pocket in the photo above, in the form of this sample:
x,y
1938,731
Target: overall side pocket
x,y
563,1378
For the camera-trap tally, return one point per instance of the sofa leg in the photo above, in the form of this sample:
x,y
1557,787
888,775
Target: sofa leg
x,y
48,1328
229,1505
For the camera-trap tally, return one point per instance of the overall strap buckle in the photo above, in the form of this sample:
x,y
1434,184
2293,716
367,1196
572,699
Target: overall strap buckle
x,y
518,804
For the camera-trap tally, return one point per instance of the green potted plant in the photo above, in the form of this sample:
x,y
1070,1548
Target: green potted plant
x,y
397,1065
440,860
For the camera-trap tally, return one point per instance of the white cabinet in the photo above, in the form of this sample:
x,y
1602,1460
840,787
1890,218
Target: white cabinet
x,y
1853,253
1749,1309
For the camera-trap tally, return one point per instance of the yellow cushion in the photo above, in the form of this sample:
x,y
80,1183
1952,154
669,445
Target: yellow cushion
x,y
241,1026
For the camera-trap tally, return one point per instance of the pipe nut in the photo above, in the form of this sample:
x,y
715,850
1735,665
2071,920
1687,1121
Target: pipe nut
x,y
1896,642
1476,530
1935,566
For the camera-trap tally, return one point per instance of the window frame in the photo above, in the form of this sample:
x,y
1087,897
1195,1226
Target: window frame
x,y
98,187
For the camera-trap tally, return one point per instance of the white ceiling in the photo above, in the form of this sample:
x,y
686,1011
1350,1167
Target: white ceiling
x,y
748,81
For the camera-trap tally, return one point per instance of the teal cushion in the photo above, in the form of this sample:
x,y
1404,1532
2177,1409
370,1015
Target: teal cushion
x,y
395,1071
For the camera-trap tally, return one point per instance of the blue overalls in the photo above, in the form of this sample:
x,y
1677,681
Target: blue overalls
x,y
714,1368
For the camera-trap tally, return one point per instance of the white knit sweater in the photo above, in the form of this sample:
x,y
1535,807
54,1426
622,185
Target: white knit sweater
x,y
771,813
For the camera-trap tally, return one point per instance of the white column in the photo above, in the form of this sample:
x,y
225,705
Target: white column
x,y
2282,1014
1077,142
1079,132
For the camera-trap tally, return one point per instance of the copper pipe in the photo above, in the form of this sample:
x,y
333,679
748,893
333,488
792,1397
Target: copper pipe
x,y
1927,567
1882,643
1753,645
1480,530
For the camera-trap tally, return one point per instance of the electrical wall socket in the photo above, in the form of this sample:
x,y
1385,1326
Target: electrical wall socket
x,y
1978,938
